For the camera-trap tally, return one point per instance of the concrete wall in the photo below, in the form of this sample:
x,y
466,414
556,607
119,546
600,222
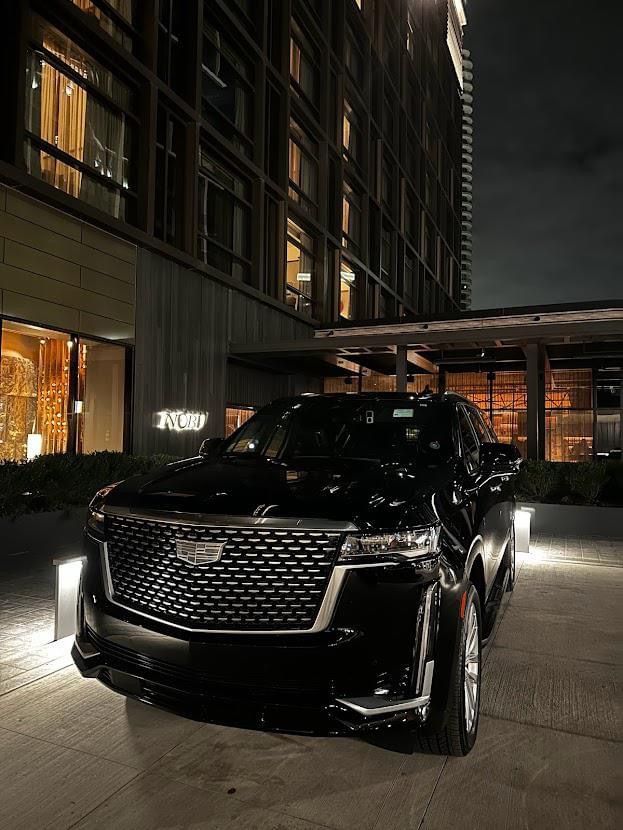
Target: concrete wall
x,y
61,272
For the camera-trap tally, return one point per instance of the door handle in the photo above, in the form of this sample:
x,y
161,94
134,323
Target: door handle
x,y
496,488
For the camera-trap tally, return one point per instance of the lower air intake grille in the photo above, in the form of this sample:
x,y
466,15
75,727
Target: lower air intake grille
x,y
265,579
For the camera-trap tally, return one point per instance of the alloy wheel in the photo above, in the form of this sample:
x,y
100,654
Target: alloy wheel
x,y
471,680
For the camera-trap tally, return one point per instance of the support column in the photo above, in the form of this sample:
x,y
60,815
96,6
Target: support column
x,y
401,369
535,384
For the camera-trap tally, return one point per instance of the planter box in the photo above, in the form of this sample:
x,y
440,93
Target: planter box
x,y
41,535
575,520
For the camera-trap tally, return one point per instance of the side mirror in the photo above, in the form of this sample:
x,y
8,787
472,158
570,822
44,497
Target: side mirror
x,y
210,446
499,458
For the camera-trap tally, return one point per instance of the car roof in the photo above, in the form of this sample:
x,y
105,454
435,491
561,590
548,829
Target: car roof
x,y
435,397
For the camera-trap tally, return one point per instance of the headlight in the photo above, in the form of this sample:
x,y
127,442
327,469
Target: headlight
x,y
95,518
420,546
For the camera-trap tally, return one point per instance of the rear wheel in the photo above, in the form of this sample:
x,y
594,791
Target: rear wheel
x,y
459,735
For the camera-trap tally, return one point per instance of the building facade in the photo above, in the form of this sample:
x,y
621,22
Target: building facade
x,y
177,175
467,179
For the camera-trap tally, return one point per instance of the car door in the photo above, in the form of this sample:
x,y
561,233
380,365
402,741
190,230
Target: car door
x,y
501,486
485,499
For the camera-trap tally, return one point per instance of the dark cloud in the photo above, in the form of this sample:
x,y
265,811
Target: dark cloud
x,y
548,164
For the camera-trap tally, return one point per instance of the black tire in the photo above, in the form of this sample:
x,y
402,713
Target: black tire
x,y
511,559
457,737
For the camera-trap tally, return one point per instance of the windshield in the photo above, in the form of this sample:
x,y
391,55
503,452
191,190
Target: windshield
x,y
376,429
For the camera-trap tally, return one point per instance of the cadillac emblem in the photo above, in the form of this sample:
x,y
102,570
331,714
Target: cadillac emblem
x,y
198,553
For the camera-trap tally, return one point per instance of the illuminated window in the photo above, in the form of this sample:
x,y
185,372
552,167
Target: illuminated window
x,y
303,65
235,417
79,137
352,133
38,415
303,168
101,381
34,391
349,279
300,276
569,415
114,25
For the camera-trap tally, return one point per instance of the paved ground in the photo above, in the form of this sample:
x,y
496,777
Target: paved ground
x,y
549,752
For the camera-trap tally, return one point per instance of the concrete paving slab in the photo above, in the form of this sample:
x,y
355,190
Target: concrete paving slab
x,y
71,712
152,802
45,786
584,638
521,777
577,591
558,693
338,782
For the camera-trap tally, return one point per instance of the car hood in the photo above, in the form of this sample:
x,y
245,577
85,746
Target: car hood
x,y
368,493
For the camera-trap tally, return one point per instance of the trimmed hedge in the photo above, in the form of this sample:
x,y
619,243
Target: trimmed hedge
x,y
570,483
60,482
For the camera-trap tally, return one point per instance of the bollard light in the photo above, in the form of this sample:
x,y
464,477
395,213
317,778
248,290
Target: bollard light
x,y
67,579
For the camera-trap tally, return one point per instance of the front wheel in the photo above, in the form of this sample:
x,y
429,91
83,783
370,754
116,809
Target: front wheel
x,y
459,734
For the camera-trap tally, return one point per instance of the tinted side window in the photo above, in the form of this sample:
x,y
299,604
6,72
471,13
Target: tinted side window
x,y
482,430
471,447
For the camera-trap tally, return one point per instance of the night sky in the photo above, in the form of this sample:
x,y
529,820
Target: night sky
x,y
548,160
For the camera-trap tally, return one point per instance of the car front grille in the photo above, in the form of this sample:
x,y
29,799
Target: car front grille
x,y
266,579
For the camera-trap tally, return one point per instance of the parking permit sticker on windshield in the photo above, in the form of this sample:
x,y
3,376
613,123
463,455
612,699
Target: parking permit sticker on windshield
x,y
403,413
370,416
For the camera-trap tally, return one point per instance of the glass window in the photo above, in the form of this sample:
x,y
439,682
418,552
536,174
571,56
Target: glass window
x,y
348,428
471,447
351,218
172,61
300,275
352,133
79,138
303,65
482,430
349,285
227,88
169,178
34,391
387,190
235,417
386,255
100,405
354,58
109,22
224,233
303,168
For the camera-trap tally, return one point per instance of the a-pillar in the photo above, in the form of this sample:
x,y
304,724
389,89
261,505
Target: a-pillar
x,y
535,386
401,369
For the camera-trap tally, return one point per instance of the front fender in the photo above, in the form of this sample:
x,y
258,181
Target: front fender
x,y
453,586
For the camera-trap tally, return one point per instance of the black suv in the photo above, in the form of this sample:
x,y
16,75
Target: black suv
x,y
335,564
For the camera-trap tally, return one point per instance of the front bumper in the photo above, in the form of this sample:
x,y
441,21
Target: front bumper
x,y
372,664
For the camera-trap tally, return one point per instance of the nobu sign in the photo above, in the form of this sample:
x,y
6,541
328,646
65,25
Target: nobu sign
x,y
180,420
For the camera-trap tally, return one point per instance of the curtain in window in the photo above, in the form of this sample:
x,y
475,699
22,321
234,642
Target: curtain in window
x,y
63,120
